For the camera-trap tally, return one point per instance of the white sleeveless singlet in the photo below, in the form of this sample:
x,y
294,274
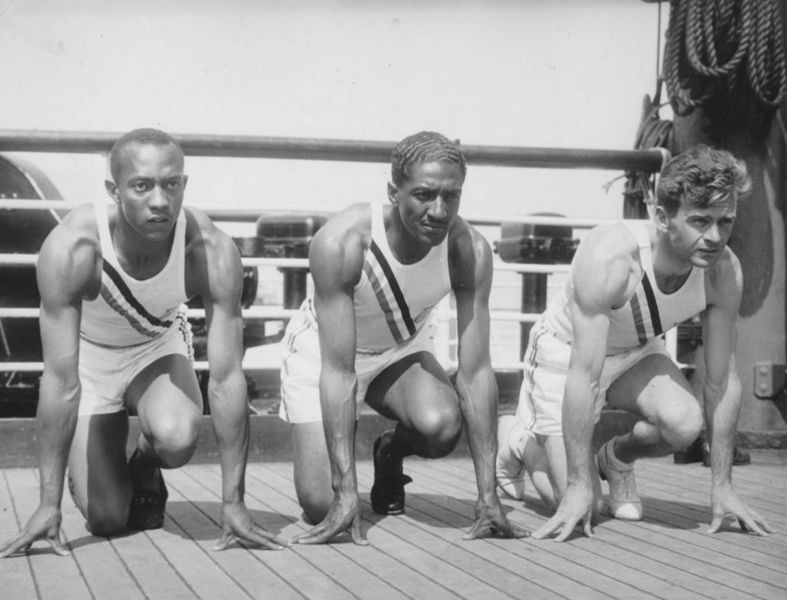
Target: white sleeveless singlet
x,y
128,312
647,314
394,301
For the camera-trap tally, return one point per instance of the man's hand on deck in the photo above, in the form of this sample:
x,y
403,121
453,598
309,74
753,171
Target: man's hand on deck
x,y
44,524
344,513
726,502
491,520
575,507
238,525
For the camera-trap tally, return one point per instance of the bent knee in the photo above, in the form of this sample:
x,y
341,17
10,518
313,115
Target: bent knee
x,y
175,441
683,425
440,432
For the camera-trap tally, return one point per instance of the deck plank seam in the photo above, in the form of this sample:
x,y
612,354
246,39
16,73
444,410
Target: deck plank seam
x,y
302,555
368,522
746,590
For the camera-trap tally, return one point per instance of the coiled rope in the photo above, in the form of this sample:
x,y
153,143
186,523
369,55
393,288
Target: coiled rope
x,y
715,45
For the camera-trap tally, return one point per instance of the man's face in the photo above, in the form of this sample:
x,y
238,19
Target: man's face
x,y
149,190
428,201
699,235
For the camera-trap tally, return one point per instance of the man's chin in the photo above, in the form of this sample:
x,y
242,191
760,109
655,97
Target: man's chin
x,y
704,260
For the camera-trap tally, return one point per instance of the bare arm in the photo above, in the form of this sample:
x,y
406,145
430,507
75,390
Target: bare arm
x,y
471,277
66,267
600,275
336,259
218,273
722,391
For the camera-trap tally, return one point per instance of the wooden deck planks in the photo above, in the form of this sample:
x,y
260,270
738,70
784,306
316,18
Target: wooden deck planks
x,y
417,555
16,574
578,561
740,577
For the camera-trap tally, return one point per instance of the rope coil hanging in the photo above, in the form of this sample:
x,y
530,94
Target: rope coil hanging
x,y
716,45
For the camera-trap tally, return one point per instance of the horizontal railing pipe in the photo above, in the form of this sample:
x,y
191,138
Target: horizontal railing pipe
x,y
26,260
240,146
266,313
222,213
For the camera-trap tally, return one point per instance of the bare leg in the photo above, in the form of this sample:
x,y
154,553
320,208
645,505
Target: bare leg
x,y
417,394
97,472
169,405
312,470
168,402
655,389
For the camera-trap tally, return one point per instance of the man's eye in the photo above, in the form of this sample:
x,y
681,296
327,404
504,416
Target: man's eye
x,y
140,186
173,184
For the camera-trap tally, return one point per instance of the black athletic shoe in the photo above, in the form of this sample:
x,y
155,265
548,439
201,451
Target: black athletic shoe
x,y
691,454
147,506
387,493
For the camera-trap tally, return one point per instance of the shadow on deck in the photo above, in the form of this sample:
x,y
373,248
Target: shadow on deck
x,y
419,555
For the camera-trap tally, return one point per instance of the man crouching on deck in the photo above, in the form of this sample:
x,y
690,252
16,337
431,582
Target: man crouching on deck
x,y
600,340
378,272
113,281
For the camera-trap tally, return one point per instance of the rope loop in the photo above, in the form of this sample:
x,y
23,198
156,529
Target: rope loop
x,y
724,44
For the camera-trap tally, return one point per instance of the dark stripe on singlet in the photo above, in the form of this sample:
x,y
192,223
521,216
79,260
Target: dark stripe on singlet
x,y
395,289
123,289
655,319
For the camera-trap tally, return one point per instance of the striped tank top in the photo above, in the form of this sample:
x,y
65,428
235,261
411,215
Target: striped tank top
x,y
647,314
127,311
394,301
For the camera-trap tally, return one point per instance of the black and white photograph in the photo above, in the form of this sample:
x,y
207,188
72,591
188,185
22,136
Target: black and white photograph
x,y
393,299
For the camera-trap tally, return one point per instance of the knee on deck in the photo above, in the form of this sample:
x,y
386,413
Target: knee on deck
x,y
107,518
315,504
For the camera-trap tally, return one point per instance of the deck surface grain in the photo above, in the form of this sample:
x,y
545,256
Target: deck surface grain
x,y
419,555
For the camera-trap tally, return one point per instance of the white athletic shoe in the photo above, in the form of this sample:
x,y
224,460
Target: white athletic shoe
x,y
624,502
509,465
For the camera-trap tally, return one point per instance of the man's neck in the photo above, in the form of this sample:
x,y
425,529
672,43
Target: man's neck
x,y
671,273
141,259
404,247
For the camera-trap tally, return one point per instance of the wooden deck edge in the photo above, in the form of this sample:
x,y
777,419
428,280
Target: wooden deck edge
x,y
270,438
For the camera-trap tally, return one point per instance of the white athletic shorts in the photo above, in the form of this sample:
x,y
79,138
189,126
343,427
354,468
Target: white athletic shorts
x,y
300,366
105,372
540,405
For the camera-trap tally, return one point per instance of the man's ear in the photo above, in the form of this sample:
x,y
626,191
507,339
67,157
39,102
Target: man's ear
x,y
112,189
185,181
660,217
392,190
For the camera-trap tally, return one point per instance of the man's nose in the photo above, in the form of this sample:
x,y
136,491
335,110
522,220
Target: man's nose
x,y
158,196
712,234
438,209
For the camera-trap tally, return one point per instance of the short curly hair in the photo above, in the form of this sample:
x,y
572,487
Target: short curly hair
x,y
701,177
424,147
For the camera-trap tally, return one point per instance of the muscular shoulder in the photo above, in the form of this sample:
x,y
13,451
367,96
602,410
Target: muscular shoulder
x,y
212,258
605,265
336,252
724,281
203,235
469,255
67,262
